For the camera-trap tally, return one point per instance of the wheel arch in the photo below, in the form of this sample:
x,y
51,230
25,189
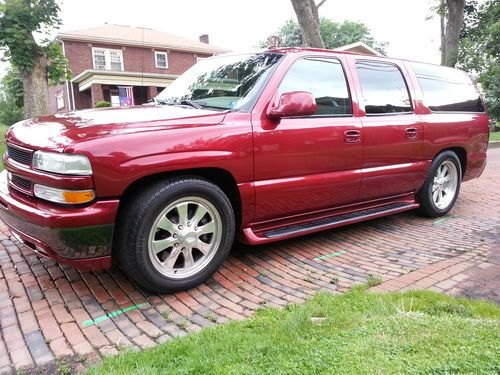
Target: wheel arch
x,y
218,176
461,153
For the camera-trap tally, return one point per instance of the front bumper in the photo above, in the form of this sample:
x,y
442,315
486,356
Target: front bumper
x,y
81,237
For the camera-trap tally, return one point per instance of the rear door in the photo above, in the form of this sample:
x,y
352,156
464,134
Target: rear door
x,y
311,163
392,132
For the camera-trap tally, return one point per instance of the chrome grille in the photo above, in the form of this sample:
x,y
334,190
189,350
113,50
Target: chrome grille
x,y
21,156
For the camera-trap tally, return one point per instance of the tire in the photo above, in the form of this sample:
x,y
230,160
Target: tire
x,y
175,234
442,185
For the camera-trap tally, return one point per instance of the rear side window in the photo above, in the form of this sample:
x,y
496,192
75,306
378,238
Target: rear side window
x,y
325,79
446,89
383,87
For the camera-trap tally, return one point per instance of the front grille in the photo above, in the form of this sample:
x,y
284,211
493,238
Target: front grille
x,y
21,156
21,183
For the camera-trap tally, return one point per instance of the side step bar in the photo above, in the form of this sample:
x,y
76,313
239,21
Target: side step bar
x,y
340,220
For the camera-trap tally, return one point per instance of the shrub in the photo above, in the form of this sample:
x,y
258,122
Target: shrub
x,y
102,104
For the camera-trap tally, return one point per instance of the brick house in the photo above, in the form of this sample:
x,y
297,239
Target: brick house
x,y
113,62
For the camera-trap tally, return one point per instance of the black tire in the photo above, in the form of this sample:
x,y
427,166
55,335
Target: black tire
x,y
142,213
428,207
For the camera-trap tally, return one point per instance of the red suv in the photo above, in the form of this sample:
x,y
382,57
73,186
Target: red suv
x,y
262,146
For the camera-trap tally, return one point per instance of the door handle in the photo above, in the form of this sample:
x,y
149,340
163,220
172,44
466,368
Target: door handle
x,y
352,136
411,133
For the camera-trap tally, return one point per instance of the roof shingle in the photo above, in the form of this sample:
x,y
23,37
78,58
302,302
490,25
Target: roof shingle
x,y
138,36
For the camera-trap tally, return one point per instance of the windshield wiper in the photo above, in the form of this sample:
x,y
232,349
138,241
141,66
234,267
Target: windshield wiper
x,y
189,103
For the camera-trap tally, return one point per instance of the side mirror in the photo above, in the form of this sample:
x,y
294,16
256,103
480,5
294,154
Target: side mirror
x,y
294,103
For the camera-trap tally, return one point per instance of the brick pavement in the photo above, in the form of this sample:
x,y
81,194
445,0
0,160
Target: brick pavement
x,y
45,308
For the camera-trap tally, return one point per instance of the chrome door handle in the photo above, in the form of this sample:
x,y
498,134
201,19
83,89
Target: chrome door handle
x,y
411,133
352,136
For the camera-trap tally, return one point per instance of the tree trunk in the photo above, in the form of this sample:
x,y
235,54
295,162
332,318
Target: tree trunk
x,y
442,26
36,89
307,15
455,21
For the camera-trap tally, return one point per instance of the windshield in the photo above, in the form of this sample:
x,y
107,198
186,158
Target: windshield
x,y
223,82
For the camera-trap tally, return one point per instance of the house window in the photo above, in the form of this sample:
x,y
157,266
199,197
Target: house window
x,y
115,58
60,100
161,60
107,59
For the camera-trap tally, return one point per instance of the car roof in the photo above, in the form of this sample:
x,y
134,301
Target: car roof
x,y
290,50
298,50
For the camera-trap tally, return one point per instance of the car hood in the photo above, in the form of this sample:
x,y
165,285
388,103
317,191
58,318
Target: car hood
x,y
56,132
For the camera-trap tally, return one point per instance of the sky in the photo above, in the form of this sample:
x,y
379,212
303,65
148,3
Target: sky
x,y
241,24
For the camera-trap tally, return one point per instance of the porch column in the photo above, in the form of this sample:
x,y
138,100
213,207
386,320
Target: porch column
x,y
96,94
152,92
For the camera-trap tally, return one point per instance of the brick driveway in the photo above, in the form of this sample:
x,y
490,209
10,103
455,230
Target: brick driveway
x,y
46,310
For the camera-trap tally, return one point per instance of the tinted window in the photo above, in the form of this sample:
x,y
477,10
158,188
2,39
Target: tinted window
x,y
383,87
222,82
446,89
324,79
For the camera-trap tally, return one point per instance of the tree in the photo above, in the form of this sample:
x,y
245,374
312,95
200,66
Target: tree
x,y
37,62
333,34
11,98
451,14
308,17
479,49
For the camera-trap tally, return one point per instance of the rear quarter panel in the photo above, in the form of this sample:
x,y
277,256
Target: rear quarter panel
x,y
468,131
445,130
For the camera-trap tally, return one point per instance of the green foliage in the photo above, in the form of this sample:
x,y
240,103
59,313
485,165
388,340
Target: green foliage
x,y
334,34
290,34
19,20
416,332
102,104
495,136
3,145
58,69
374,280
12,87
9,114
479,50
63,368
11,98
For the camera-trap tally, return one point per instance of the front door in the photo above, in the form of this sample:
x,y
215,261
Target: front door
x,y
309,163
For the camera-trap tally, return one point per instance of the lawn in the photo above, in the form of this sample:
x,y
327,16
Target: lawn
x,y
495,136
417,332
3,129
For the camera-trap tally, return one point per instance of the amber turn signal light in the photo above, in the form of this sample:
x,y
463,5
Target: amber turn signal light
x,y
77,197
63,196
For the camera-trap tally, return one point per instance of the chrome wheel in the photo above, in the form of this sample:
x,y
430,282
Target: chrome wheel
x,y
445,184
185,237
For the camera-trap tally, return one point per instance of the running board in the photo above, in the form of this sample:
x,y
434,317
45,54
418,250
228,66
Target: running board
x,y
313,226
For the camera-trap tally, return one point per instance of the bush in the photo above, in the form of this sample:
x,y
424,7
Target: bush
x,y
102,104
9,113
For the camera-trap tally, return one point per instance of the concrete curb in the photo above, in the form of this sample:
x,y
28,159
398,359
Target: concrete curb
x,y
494,144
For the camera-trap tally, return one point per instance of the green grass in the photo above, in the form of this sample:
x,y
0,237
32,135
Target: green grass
x,y
3,146
495,136
417,332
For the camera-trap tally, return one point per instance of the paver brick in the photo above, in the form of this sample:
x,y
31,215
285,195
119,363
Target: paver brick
x,y
60,347
38,348
144,341
21,358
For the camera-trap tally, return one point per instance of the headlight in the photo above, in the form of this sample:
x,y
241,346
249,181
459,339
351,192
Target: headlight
x,y
62,163
63,196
